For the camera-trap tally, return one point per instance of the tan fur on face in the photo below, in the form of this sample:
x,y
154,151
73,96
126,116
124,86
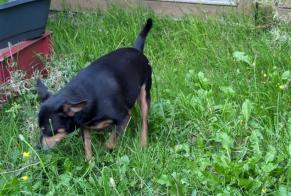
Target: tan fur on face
x,y
71,110
51,141
67,110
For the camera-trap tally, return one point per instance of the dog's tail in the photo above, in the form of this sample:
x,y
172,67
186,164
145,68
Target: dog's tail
x,y
139,42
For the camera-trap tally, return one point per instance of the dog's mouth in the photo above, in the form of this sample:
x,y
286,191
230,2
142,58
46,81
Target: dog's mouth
x,y
47,143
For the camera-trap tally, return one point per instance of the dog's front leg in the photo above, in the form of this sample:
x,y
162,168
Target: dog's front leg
x,y
111,142
87,143
118,130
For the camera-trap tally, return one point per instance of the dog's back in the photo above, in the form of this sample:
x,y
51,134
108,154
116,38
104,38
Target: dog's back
x,y
121,71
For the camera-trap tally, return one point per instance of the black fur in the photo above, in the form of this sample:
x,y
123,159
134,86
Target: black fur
x,y
139,42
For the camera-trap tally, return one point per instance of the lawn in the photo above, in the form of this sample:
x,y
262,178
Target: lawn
x,y
220,120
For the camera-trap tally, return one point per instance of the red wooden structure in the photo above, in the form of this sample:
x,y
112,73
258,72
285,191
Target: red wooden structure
x,y
27,56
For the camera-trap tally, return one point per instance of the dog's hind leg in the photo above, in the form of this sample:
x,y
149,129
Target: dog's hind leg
x,y
144,102
87,143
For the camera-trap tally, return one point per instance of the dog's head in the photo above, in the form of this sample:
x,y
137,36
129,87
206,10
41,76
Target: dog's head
x,y
56,117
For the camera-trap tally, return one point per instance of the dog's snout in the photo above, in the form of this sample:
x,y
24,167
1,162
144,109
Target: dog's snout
x,y
42,144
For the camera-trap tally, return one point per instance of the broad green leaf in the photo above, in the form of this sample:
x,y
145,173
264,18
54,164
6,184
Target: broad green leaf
x,y
164,180
270,154
194,192
91,180
123,163
224,139
227,90
202,78
65,179
183,149
247,108
68,165
286,75
255,139
268,167
245,182
283,191
241,56
124,160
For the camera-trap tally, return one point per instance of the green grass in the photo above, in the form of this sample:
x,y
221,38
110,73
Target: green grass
x,y
220,121
3,1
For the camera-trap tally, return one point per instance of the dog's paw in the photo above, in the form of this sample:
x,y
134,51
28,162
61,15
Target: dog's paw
x,y
89,158
143,141
143,144
110,146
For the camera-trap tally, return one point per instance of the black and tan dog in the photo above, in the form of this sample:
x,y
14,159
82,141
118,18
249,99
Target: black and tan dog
x,y
100,95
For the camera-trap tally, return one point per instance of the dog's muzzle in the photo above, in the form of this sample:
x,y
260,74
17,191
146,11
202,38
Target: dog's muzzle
x,y
48,142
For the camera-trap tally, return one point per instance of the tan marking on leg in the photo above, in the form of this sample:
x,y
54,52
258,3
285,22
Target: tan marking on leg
x,y
87,144
144,114
49,142
111,142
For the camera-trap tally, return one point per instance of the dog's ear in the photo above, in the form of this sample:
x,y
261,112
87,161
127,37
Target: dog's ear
x,y
42,90
71,109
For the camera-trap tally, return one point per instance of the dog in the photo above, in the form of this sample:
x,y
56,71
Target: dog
x,y
99,96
